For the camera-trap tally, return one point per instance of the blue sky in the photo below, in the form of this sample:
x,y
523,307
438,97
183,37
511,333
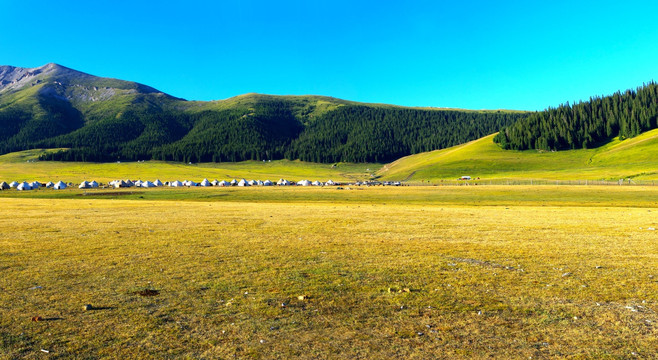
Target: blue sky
x,y
469,54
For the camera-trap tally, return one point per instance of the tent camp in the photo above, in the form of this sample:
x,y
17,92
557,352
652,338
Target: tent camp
x,y
283,182
157,182
13,184
224,183
304,183
176,184
23,186
4,186
205,182
84,185
267,183
60,185
243,182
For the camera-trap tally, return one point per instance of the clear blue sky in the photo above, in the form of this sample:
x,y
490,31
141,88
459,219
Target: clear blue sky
x,y
467,54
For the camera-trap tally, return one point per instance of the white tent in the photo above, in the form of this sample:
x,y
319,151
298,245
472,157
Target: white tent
x,y
304,183
59,186
176,184
93,184
243,182
148,184
190,183
13,184
4,186
84,185
23,186
129,183
330,182
234,182
50,184
224,183
259,182
138,183
35,185
205,182
119,184
283,182
214,182
157,182
316,183
267,183
252,182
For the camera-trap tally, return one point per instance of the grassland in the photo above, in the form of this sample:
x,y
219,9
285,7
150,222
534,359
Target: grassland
x,y
635,158
414,272
18,167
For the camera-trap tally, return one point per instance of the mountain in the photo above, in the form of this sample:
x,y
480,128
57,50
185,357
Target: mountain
x,y
101,119
586,124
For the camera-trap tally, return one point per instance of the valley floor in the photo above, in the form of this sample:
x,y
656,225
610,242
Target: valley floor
x,y
413,272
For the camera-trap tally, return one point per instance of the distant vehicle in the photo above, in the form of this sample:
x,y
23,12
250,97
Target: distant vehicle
x,y
465,178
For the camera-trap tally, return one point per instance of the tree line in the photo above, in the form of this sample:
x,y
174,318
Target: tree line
x,y
585,124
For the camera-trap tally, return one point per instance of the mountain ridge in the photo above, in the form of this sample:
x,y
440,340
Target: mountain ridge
x,y
105,119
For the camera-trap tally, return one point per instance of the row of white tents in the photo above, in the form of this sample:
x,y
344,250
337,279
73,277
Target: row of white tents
x,y
22,186
157,183
223,183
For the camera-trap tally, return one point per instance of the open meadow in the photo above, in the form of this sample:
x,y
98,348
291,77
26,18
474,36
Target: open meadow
x,y
407,272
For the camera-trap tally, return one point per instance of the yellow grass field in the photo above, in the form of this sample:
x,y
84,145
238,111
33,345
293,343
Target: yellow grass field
x,y
409,273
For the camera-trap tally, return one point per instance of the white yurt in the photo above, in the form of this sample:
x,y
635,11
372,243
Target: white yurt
x,y
84,185
23,186
267,183
205,182
157,182
316,183
13,184
330,182
60,185
224,183
234,182
176,184
304,183
283,182
93,184
4,186
190,183
148,184
243,182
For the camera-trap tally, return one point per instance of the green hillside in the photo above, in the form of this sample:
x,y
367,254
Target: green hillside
x,y
635,158
105,120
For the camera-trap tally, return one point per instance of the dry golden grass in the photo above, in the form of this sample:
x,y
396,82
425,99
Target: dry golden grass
x,y
379,279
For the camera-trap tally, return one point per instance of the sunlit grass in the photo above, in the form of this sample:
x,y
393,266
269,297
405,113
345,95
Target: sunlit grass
x,y
490,272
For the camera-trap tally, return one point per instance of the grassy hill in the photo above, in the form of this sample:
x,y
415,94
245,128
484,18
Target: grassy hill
x,y
635,158
100,119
